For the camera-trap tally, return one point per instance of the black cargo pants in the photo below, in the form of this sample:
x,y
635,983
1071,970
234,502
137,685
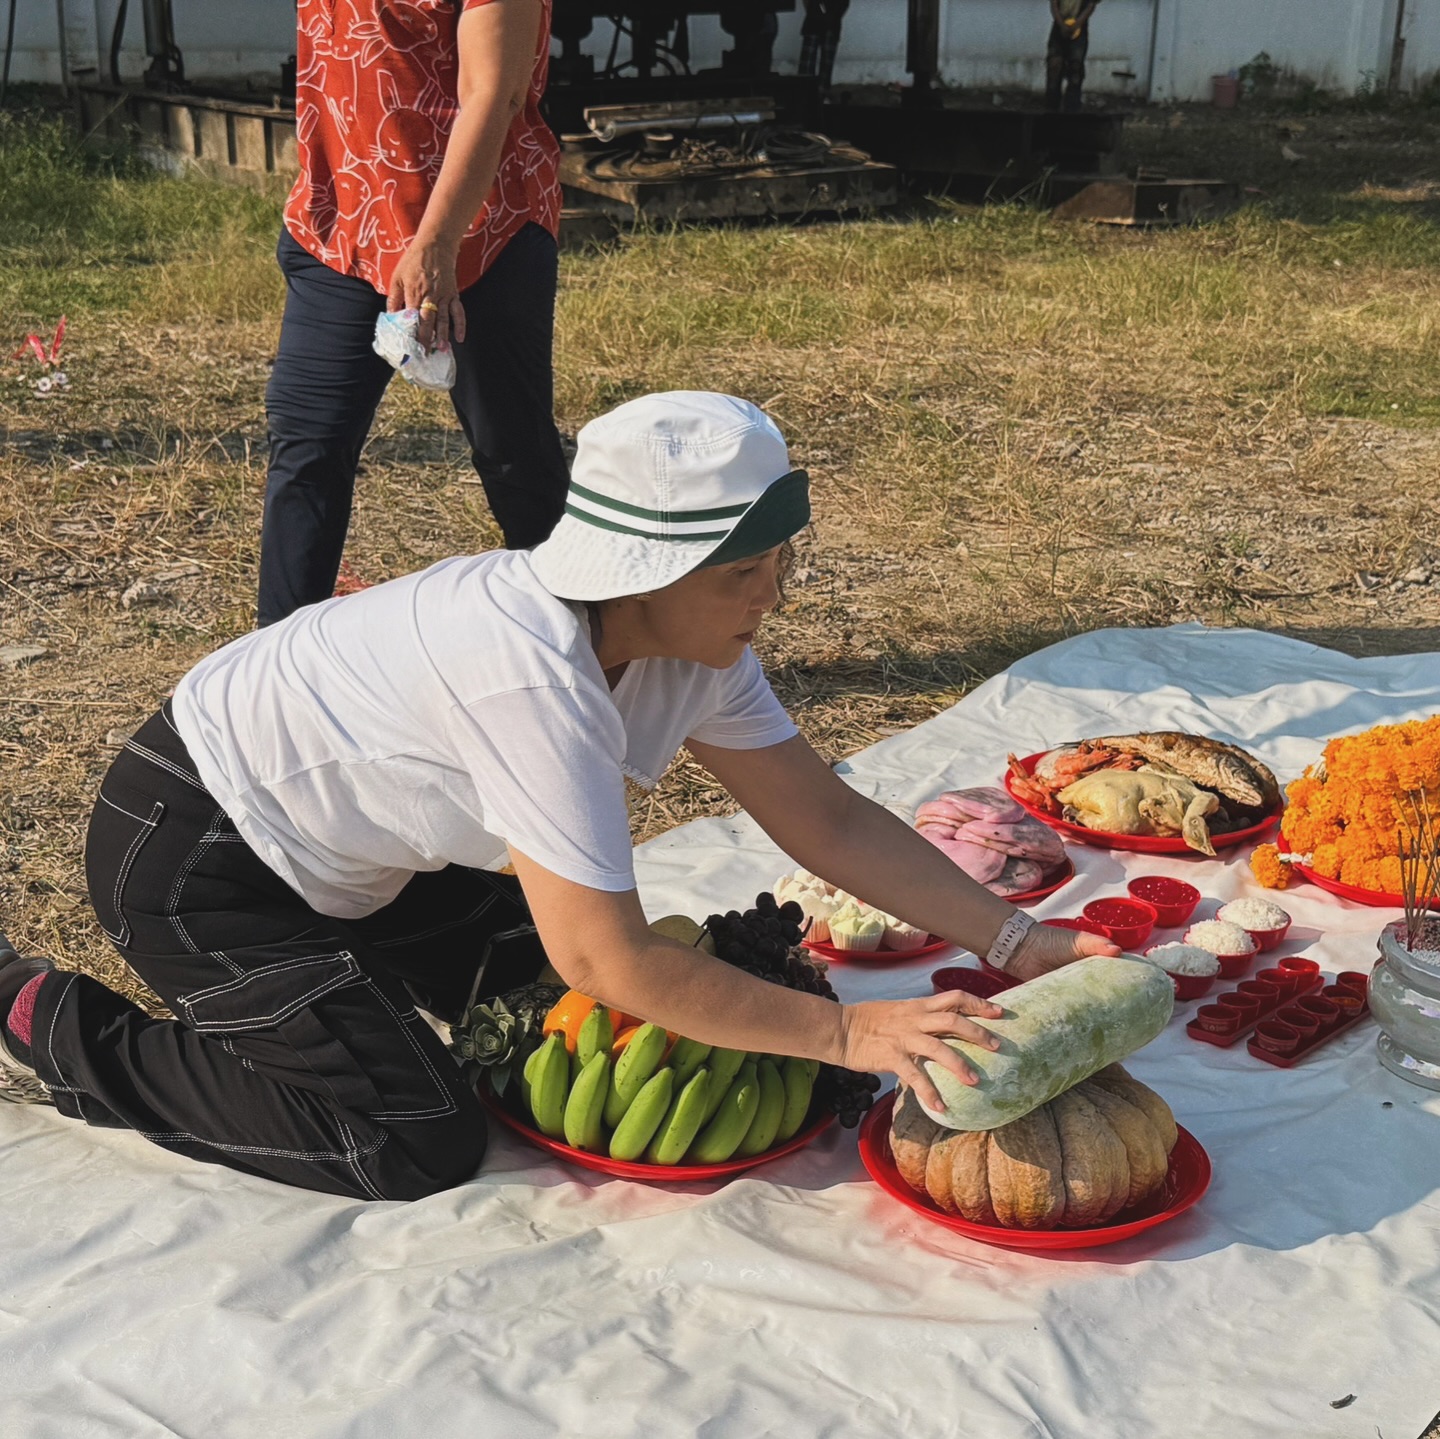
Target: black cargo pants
x,y
297,1051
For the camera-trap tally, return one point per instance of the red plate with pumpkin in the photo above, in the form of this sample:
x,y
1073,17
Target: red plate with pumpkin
x,y
1186,1180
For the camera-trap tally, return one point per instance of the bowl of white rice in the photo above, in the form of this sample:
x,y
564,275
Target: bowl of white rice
x,y
1265,922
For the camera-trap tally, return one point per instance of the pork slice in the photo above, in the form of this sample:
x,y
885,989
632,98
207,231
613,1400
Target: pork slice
x,y
980,862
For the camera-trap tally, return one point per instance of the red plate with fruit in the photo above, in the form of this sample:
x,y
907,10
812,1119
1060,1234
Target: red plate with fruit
x,y
1138,843
653,1173
1186,1181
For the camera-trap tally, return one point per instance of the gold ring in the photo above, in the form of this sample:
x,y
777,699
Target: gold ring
x,y
428,307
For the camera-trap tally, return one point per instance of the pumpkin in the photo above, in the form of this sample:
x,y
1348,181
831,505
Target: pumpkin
x,y
1099,1148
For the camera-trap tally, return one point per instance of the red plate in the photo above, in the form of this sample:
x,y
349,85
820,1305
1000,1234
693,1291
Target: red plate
x,y
1354,893
1188,1178
652,1173
875,956
1139,843
1059,880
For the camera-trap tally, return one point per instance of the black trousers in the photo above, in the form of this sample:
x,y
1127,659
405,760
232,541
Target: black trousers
x,y
297,1052
326,384
1065,67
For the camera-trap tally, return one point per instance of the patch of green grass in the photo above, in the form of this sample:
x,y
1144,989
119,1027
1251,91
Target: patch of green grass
x,y
89,231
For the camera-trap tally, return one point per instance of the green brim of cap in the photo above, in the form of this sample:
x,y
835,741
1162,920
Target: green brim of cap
x,y
778,515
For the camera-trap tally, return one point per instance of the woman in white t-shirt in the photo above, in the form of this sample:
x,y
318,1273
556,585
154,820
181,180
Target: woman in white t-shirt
x,y
314,821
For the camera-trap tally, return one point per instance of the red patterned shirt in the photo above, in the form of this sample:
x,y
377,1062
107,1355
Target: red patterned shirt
x,y
375,101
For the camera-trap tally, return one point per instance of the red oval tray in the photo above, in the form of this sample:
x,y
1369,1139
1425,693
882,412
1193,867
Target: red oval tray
x,y
875,956
651,1173
1373,897
1188,1178
1138,843
884,956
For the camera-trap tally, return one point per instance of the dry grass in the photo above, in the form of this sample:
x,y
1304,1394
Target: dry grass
x,y
1017,431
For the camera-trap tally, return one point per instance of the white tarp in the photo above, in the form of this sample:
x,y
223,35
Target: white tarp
x,y
143,1294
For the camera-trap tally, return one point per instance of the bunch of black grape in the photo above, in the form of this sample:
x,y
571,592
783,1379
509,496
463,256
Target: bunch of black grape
x,y
765,942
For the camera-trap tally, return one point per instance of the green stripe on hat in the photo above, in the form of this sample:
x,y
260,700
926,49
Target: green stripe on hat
x,y
616,528
725,512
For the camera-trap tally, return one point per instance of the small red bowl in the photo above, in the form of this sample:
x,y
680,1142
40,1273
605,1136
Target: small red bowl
x,y
1268,939
1172,900
1308,1024
1353,979
1193,986
1324,1012
1345,1000
1083,925
978,982
1126,922
1304,970
1285,979
1243,1005
1261,990
1278,1037
1217,1018
1232,966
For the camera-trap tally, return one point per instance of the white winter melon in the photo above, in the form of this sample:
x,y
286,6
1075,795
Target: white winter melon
x,y
1056,1031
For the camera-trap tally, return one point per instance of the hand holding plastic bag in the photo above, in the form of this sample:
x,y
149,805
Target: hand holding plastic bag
x,y
396,342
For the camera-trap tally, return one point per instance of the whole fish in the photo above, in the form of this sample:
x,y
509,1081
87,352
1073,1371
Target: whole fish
x,y
1222,767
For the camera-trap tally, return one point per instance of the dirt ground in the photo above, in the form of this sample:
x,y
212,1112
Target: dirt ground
x,y
1030,433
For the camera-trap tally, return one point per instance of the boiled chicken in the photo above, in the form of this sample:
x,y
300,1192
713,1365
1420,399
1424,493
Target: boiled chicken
x,y
1143,801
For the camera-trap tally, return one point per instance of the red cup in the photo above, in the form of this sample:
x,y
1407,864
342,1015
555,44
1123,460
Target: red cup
x,y
1304,970
1232,966
1281,978
1353,979
972,981
1326,1014
1083,925
1267,995
1278,1037
1216,1019
1243,1005
1308,1024
1126,922
1172,900
1192,986
1345,1000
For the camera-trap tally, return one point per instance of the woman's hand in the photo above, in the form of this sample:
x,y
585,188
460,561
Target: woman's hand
x,y
893,1036
424,280
1044,949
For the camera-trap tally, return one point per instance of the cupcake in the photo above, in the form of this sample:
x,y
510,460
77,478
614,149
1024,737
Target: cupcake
x,y
853,928
902,936
819,909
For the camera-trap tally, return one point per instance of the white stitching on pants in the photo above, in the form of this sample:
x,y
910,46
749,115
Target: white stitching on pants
x,y
50,1038
349,974
165,764
449,1107
353,1156
437,929
309,1156
211,836
123,873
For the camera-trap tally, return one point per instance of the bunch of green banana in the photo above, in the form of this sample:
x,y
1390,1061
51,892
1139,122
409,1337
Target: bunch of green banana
x,y
690,1101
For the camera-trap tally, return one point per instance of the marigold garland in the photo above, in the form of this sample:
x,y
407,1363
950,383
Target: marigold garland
x,y
1346,812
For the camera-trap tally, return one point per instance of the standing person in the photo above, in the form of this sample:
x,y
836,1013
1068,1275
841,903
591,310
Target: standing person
x,y
1065,54
427,181
305,826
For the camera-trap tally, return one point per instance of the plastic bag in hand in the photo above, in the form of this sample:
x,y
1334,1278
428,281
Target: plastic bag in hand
x,y
395,332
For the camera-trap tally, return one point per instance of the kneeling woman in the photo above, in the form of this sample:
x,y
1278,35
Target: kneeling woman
x,y
305,836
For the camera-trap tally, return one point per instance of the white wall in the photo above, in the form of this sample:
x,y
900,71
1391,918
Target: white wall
x,y
984,43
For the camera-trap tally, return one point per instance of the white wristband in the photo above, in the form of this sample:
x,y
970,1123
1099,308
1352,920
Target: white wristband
x,y
1011,936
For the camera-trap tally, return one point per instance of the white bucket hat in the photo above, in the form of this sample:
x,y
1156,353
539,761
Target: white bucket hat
x,y
667,484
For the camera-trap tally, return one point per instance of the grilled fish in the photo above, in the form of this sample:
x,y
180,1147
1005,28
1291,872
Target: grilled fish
x,y
1222,767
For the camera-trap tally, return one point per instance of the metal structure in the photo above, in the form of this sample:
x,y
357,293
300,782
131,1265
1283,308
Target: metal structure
x,y
649,135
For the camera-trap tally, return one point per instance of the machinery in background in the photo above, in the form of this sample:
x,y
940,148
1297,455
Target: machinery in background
x,y
648,135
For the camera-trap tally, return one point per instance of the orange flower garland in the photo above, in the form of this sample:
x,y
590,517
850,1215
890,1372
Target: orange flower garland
x,y
1346,812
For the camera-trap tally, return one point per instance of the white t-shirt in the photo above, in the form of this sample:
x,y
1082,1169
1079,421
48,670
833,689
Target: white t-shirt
x,y
434,719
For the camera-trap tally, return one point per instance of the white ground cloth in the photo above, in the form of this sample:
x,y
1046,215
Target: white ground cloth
x,y
142,1294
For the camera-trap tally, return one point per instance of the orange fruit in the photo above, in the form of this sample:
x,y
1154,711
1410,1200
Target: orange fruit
x,y
568,1014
